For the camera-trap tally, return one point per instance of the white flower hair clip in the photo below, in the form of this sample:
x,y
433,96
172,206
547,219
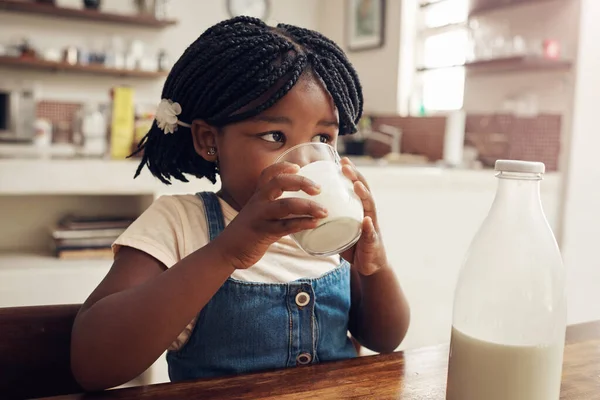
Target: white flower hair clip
x,y
166,116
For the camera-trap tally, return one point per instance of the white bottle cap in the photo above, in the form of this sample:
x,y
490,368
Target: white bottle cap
x,y
526,167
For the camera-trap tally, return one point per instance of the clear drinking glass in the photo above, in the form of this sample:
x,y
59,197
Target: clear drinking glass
x,y
341,229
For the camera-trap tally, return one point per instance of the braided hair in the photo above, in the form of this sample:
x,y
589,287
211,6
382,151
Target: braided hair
x,y
235,70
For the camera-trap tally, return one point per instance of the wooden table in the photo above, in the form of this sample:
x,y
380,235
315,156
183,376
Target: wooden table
x,y
411,375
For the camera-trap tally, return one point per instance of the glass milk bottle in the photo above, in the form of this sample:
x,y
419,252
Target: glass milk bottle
x,y
509,319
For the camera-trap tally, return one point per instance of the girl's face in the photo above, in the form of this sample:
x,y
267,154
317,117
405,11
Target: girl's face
x,y
305,114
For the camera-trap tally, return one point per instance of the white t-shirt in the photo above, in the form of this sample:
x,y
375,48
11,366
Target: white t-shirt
x,y
175,226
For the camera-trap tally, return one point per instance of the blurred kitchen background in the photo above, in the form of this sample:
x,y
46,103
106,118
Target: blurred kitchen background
x,y
450,86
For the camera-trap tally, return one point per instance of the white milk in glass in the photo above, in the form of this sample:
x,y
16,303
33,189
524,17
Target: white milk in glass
x,y
342,226
483,370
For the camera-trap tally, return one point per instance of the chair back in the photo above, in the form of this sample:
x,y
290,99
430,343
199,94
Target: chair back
x,y
35,347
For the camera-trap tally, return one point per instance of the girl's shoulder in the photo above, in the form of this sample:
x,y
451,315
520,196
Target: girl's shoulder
x,y
191,205
174,200
169,229
177,206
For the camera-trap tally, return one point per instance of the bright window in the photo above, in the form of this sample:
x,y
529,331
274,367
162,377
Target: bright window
x,y
442,89
446,12
444,49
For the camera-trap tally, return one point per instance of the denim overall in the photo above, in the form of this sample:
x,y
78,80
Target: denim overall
x,y
250,326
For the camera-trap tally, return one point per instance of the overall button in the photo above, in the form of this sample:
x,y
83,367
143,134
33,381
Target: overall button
x,y
302,299
304,358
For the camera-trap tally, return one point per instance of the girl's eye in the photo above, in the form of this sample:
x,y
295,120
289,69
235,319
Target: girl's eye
x,y
273,137
322,138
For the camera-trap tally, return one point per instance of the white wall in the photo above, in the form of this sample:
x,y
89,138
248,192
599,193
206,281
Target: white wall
x,y
194,17
378,69
581,216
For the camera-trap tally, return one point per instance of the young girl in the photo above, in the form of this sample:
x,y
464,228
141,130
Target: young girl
x,y
215,278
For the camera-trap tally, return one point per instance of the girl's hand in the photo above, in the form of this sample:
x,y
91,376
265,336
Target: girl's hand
x,y
368,254
266,218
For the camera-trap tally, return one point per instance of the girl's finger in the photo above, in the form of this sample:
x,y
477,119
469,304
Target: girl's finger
x,y
367,200
275,170
349,173
356,175
292,207
368,248
369,234
288,183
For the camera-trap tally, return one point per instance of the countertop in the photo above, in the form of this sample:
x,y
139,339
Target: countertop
x,y
412,375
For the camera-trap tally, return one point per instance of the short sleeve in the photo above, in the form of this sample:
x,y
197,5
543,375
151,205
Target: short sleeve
x,y
158,232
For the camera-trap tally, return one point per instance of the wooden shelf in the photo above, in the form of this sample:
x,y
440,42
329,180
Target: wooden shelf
x,y
518,63
42,65
47,10
426,4
442,28
480,7
509,64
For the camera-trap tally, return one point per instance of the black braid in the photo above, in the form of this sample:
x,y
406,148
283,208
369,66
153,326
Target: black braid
x,y
256,92
322,45
235,70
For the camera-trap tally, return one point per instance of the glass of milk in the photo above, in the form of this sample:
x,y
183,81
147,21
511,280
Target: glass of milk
x,y
341,229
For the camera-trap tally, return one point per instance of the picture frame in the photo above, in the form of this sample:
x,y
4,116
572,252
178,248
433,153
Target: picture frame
x,y
365,24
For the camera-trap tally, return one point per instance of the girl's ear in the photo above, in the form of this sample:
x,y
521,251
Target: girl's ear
x,y
205,141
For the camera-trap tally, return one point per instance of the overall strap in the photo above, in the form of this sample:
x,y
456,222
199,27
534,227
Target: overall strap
x,y
214,214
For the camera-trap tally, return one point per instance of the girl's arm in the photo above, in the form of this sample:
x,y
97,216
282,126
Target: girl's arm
x,y
138,310
380,315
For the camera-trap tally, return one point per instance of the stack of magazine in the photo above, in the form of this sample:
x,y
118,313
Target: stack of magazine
x,y
87,237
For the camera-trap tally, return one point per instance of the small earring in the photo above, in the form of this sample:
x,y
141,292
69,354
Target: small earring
x,y
211,151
